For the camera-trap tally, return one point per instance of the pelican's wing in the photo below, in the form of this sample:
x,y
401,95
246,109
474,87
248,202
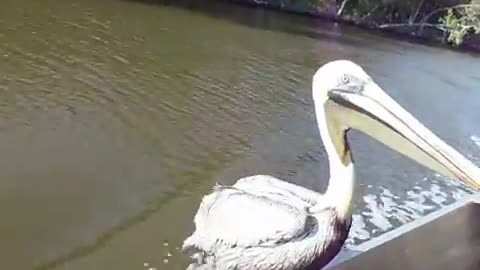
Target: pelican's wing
x,y
263,184
231,217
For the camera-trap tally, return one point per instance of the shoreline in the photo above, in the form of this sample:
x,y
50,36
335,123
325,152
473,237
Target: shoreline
x,y
429,37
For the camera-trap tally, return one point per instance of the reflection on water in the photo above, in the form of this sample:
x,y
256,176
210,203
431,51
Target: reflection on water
x,y
117,116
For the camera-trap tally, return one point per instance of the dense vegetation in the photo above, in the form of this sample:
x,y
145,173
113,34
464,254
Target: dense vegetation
x,y
454,19
451,21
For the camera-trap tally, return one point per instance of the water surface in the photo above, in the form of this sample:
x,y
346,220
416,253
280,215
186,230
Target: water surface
x,y
117,116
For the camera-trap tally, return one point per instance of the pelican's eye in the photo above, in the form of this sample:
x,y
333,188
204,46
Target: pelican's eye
x,y
345,79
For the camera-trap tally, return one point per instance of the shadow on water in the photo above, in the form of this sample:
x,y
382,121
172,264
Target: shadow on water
x,y
304,25
261,18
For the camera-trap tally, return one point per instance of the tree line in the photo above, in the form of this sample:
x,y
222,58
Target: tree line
x,y
454,19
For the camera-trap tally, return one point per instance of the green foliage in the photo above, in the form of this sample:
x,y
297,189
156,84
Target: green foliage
x,y
453,19
458,18
454,26
461,22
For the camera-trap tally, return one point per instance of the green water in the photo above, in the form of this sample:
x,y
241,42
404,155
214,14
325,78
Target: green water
x,y
117,116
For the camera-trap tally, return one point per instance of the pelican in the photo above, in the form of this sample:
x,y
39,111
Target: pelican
x,y
264,223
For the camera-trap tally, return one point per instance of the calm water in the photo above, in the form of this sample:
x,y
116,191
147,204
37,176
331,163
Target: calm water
x,y
117,116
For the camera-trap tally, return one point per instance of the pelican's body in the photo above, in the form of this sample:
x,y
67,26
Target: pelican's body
x,y
263,223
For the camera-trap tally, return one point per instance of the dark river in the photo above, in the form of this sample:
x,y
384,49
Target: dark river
x,y
117,116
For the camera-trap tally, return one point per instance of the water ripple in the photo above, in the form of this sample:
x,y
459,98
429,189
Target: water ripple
x,y
384,211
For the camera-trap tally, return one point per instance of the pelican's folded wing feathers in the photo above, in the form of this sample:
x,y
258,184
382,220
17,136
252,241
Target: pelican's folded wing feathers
x,y
230,217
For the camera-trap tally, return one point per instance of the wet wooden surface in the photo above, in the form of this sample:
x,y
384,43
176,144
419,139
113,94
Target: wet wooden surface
x,y
450,242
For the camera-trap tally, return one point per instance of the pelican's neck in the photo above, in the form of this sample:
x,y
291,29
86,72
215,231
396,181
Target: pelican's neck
x,y
339,193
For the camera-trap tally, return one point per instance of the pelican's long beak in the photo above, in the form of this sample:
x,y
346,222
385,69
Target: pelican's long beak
x,y
373,112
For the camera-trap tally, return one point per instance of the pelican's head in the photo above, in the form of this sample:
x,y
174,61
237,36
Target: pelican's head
x,y
347,97
338,75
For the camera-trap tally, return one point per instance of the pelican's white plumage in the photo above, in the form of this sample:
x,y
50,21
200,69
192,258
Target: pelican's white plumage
x,y
263,223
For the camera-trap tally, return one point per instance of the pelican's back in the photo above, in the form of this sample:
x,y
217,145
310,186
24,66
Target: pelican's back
x,y
229,217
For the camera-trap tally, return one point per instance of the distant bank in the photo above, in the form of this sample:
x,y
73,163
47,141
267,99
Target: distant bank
x,y
452,22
